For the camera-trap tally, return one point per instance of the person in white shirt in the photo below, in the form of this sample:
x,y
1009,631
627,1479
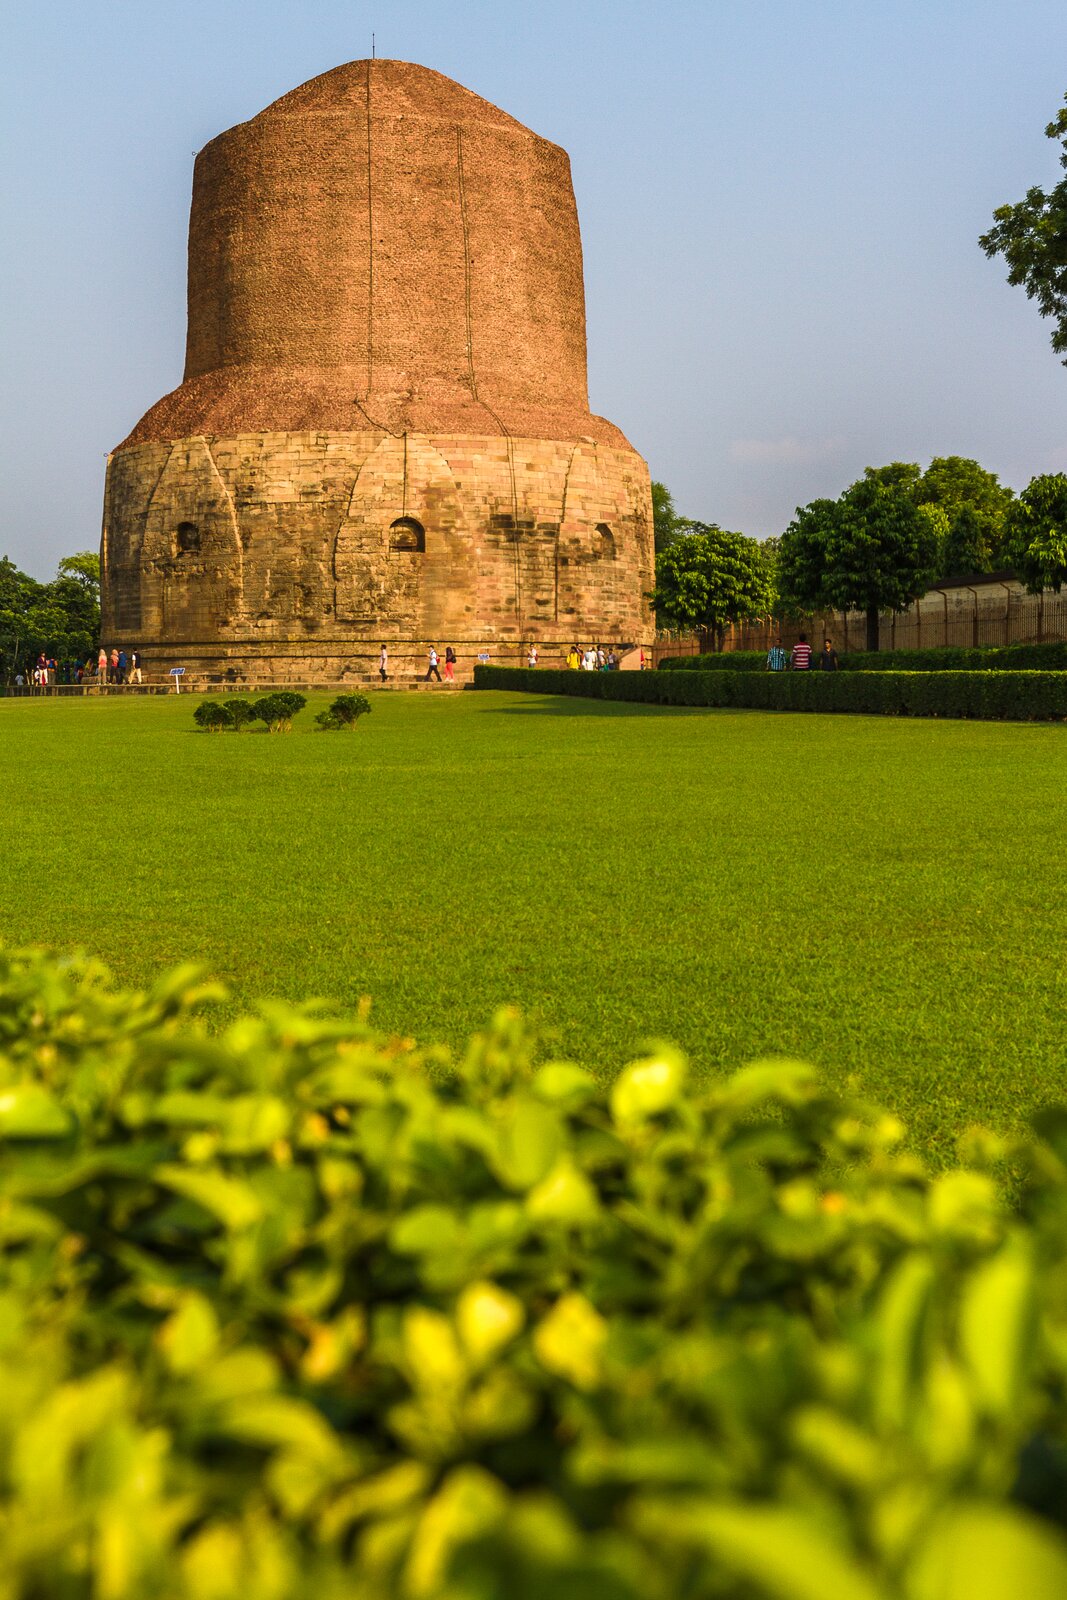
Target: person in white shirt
x,y
383,664
431,670
531,659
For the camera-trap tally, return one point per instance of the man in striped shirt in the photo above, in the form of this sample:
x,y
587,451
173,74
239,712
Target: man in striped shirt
x,y
800,659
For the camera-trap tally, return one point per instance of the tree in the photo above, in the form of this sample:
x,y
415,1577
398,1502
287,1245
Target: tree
x,y
1032,238
968,544
1036,535
954,488
801,565
667,525
20,597
871,550
902,475
60,619
83,568
709,577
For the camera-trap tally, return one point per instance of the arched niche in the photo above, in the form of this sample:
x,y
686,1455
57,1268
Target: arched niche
x,y
407,536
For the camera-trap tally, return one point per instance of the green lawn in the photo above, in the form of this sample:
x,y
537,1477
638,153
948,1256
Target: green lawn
x,y
885,898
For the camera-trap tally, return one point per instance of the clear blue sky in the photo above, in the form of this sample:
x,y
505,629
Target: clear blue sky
x,y
779,203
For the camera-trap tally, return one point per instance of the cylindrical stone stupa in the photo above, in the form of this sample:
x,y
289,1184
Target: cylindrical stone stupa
x,y
383,434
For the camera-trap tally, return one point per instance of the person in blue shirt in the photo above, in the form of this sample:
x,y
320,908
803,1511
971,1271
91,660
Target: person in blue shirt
x,y
776,657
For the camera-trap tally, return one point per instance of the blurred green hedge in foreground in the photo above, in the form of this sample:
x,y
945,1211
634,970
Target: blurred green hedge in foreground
x,y
297,1310
1014,696
1051,657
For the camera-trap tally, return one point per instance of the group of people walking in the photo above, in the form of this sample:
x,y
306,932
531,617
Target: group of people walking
x,y
433,668
799,658
118,667
593,659
46,674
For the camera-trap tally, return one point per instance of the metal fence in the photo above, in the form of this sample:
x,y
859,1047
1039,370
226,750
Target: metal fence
x,y
947,616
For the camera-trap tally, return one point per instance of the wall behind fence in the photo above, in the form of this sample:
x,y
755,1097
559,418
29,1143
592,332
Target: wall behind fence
x,y
997,612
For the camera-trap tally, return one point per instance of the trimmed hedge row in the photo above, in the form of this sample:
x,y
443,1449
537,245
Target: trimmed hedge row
x,y
1050,657
725,661
1017,696
296,1312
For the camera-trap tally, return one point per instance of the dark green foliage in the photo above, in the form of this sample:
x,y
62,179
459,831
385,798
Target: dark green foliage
x,y
1036,533
968,506
216,715
969,545
212,716
1020,696
242,712
344,712
708,577
278,710
1051,657
296,1311
59,619
667,524
1032,238
872,549
718,661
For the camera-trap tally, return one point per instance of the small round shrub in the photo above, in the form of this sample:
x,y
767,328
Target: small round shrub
x,y
278,710
212,716
241,713
344,712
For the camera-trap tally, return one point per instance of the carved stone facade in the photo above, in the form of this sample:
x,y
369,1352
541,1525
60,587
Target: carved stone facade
x,y
383,433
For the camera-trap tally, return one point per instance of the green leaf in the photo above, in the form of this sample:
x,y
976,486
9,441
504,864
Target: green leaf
x,y
966,1205
382,1495
189,1336
469,1503
990,1552
793,1082
900,1321
28,1111
234,1203
997,1320
275,1420
783,1553
838,1446
562,1083
426,1230
570,1340
246,1371
646,1088
564,1195
488,1318
248,1123
528,1142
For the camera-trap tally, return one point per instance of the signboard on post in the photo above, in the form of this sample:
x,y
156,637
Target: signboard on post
x,y
177,673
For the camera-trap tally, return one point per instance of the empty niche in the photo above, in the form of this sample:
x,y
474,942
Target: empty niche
x,y
407,534
188,539
605,542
